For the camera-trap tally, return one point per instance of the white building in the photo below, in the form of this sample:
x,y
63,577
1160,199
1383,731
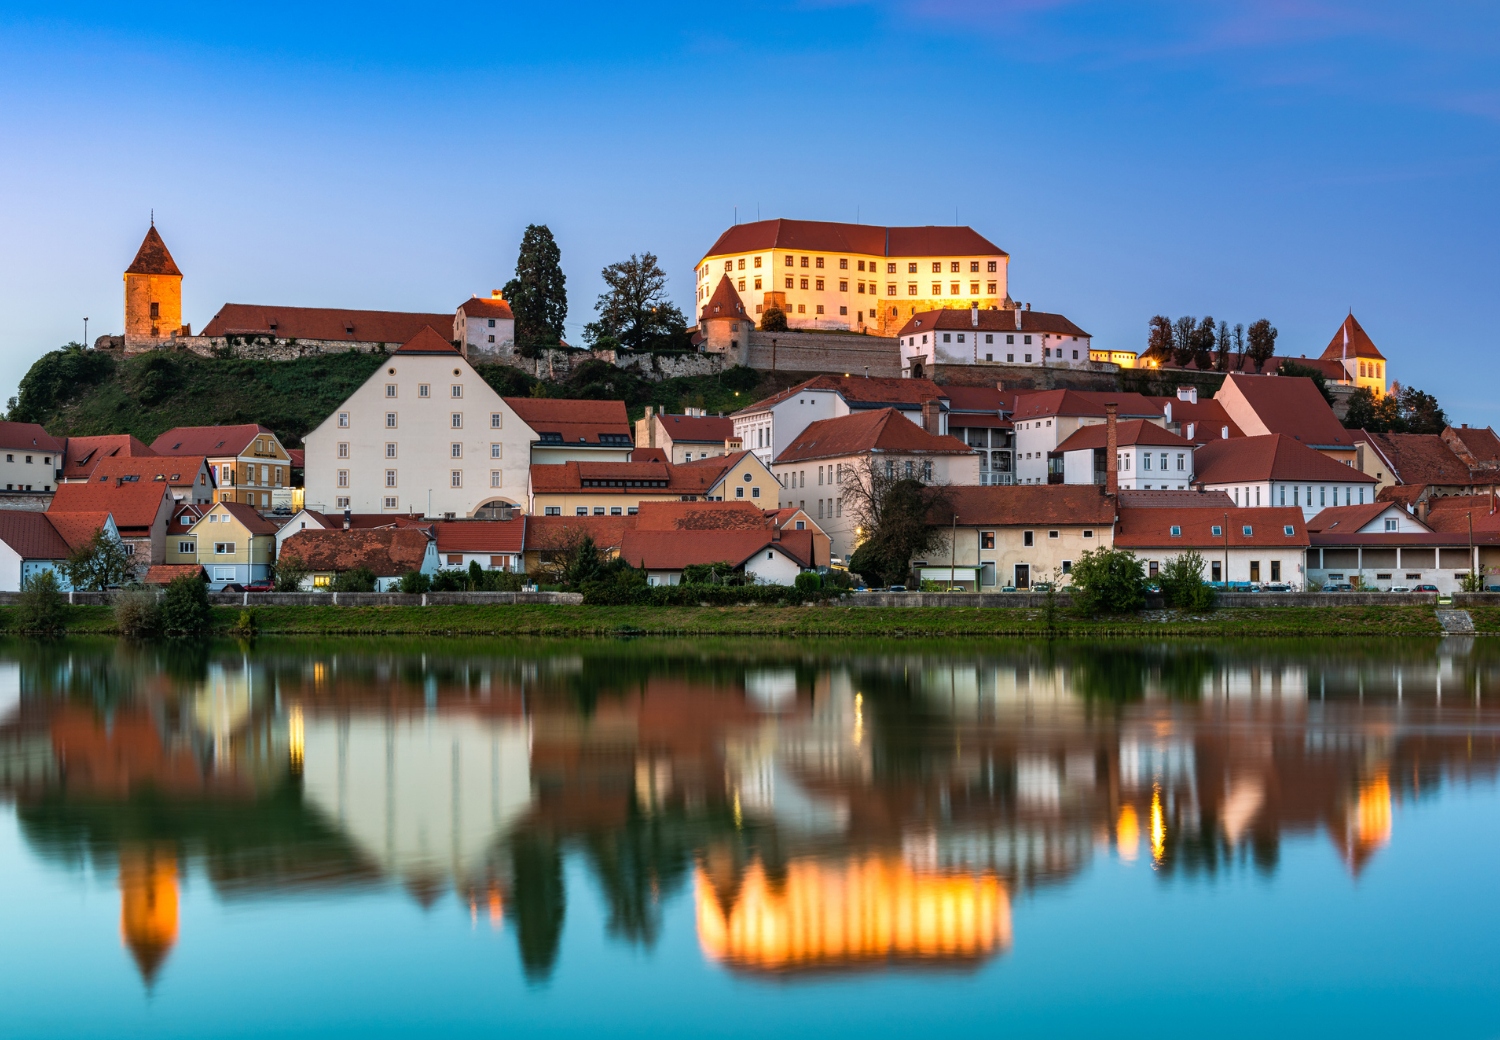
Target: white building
x,y
769,426
1044,420
1149,458
32,542
853,276
1257,546
976,337
1276,470
1381,546
485,326
426,434
31,459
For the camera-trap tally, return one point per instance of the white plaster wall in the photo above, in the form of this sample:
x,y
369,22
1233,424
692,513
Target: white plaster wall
x,y
772,568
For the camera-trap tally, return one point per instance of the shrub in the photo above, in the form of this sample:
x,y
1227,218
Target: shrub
x,y
185,613
289,574
773,320
137,614
449,581
1108,581
358,579
1471,582
838,580
245,625
720,573
42,610
1182,583
476,576
414,583
809,582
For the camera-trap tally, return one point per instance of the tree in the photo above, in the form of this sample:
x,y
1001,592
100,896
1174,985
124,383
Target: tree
x,y
1159,339
774,320
415,583
289,573
98,564
635,310
356,579
538,294
1239,347
1182,584
897,518
185,613
1203,345
1291,368
1421,412
1262,337
42,611
1108,581
1222,358
1183,338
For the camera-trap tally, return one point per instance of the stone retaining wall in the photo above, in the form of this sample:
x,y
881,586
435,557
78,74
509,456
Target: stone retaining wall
x,y
818,352
1476,599
1326,599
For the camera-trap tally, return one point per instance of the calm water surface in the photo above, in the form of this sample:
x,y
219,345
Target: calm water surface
x,y
750,838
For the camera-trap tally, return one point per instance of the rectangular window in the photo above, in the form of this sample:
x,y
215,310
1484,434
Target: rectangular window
x,y
494,478
186,547
455,450
495,451
341,502
890,290
1275,570
390,502
223,548
343,420
804,283
986,539
423,390
818,262
1255,570
844,287
343,478
390,478
456,478
990,266
343,449
458,420
552,511
1028,538
789,283
390,389
819,284
458,390
390,449
390,420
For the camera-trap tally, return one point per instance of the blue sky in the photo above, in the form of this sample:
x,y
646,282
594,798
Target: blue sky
x,y
1243,159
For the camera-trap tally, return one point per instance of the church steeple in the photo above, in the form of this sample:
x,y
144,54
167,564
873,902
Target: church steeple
x,y
153,294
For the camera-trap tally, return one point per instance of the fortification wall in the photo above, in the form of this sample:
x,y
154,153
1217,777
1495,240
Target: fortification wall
x,y
814,352
1098,375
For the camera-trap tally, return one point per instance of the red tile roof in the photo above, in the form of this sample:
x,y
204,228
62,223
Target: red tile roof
x,y
387,551
674,550
1048,403
481,536
649,455
869,239
1131,431
632,478
297,457
25,436
327,323
32,535
979,399
174,471
77,528
1039,504
133,504
1349,519
1275,456
1453,513
486,307
367,521
1418,458
166,573
698,429
724,303
84,453
209,441
427,340
880,430
575,421
1152,528
1404,494
1207,418
248,518
1289,405
1351,340
1479,443
153,257
1175,499
962,319
546,533
701,516
1332,371
875,392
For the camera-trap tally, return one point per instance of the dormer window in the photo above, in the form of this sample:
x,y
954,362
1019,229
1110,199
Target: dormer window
x,y
1218,532
1176,531
1288,530
1249,531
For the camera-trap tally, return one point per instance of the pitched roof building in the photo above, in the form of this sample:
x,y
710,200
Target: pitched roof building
x,y
388,552
352,328
937,341
84,453
1255,546
1277,470
248,461
685,437
1360,362
1291,406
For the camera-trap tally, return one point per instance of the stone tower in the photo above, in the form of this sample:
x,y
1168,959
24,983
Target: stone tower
x,y
153,295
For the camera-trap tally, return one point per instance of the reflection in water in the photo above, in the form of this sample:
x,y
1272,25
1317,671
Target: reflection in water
x,y
824,809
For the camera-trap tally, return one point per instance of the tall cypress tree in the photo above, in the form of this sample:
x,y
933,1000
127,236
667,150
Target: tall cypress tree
x,y
538,294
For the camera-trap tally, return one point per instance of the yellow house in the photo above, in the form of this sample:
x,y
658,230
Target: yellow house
x,y
234,543
248,461
618,488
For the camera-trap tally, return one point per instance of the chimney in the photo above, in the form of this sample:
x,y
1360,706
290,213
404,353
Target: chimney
x,y
497,294
1028,306
974,315
1191,428
1018,318
1188,394
1167,412
932,416
347,522
1223,433
733,445
1111,450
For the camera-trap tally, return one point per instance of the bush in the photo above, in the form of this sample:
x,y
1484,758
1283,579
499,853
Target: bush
x,y
720,573
809,581
359,579
414,583
98,564
185,613
42,610
1471,582
773,320
289,574
838,580
1182,583
246,625
449,581
1108,581
137,614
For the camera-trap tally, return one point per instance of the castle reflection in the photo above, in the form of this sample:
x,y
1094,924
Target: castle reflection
x,y
825,809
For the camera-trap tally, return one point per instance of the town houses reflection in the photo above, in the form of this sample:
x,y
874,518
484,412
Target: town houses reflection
x,y
824,809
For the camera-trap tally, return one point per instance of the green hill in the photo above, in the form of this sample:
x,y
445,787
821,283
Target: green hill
x,y
77,392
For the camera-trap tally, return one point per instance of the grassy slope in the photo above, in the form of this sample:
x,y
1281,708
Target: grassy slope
x,y
799,621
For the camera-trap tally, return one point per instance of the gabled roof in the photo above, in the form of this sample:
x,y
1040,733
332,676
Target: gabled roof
x,y
388,551
1199,499
882,430
858,392
870,239
724,303
1152,528
481,536
1479,443
955,319
698,429
1241,460
297,457
633,478
674,550
248,518
427,341
1349,519
549,533
327,323
1129,432
1206,417
486,307
134,504
649,455
701,516
84,453
166,573
1417,458
172,470
1090,403
153,257
1453,513
978,399
77,528
32,535
575,421
1039,504
1351,340
209,441
25,436
1289,405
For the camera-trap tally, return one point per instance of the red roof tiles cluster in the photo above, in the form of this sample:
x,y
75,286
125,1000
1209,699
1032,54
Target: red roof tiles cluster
x,y
427,341
674,550
209,441
84,453
135,505
1153,528
725,303
873,392
631,478
25,436
882,430
326,323
703,516
1419,458
1039,504
166,573
963,319
387,552
486,307
574,421
1289,405
697,429
869,239
153,257
1199,421
1358,344
174,471
481,536
1242,460
1347,519
1047,403
1131,431
32,535
78,528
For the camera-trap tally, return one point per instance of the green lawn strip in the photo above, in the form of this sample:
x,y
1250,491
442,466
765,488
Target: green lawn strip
x,y
1486,619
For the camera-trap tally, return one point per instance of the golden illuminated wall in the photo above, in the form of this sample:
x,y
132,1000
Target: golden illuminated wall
x,y
141,292
148,906
852,914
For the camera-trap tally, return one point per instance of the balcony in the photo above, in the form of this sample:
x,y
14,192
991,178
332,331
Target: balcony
x,y
996,479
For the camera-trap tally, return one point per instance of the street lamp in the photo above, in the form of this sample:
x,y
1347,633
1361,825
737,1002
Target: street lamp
x,y
952,552
85,332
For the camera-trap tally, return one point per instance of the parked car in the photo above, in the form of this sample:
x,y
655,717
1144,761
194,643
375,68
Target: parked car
x,y
261,586
1336,586
957,588
897,588
1426,588
1276,586
1399,588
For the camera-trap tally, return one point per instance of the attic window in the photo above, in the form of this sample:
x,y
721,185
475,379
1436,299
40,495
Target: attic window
x,y
160,476
1249,531
1287,530
1176,531
1216,531
219,445
174,448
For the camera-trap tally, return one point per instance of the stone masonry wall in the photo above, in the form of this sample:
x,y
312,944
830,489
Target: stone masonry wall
x,y
814,352
1097,376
